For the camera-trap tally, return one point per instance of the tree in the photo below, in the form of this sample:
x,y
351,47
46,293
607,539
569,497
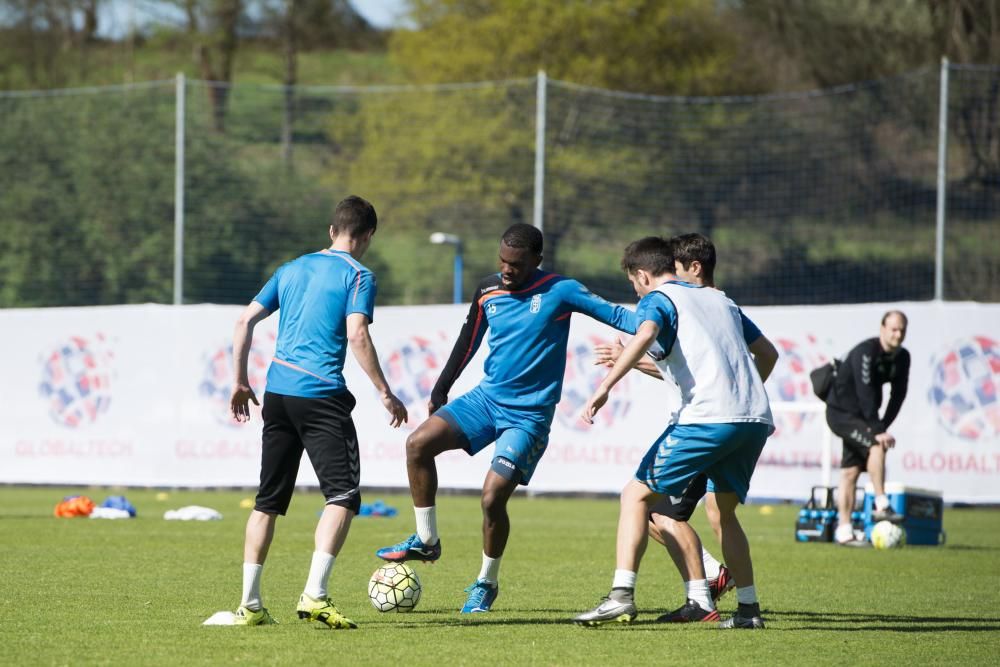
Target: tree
x,y
652,46
216,51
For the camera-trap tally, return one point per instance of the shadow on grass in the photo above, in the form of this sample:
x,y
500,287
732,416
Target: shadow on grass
x,y
857,622
803,620
969,547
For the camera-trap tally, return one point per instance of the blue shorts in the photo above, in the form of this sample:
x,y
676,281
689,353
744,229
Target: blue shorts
x,y
727,453
521,434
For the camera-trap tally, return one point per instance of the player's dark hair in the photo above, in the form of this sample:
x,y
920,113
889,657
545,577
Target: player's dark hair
x,y
653,254
521,235
695,248
901,314
355,217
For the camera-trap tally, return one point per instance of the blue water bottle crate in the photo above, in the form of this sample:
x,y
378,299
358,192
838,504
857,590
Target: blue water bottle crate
x,y
922,512
817,518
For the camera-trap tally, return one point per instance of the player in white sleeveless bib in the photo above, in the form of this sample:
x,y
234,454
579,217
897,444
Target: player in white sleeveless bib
x,y
696,336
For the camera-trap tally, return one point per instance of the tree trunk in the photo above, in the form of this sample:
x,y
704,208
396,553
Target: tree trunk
x,y
223,40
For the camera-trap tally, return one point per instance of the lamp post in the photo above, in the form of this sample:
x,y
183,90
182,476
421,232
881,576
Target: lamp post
x,y
440,238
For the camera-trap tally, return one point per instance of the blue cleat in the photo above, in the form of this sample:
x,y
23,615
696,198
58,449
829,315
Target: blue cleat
x,y
410,549
481,597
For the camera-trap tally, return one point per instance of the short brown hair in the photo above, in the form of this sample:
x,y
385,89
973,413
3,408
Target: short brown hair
x,y
652,253
355,217
695,247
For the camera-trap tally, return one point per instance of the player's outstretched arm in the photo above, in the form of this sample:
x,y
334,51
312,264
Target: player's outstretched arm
x,y
584,301
632,353
364,351
239,401
606,354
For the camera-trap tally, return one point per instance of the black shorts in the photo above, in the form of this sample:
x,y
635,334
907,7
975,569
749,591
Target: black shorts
x,y
324,428
682,511
857,435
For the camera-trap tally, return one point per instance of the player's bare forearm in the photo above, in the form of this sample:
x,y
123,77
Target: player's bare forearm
x,y
364,351
632,354
242,393
606,354
242,337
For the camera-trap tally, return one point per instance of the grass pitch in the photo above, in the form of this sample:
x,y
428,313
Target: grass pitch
x,y
80,591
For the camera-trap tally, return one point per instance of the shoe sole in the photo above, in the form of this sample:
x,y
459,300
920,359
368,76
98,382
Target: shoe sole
x,y
621,618
712,617
307,616
407,559
730,585
752,626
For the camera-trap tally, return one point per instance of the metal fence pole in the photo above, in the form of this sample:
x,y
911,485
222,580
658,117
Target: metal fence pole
x,y
540,96
179,193
942,174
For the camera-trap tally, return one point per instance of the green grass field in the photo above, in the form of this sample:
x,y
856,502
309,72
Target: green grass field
x,y
80,591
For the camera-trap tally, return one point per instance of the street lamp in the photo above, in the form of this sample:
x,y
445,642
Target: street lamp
x,y
440,238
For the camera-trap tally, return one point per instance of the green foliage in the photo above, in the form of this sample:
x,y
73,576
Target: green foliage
x,y
651,46
138,590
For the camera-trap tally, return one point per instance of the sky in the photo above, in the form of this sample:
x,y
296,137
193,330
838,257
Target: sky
x,y
117,15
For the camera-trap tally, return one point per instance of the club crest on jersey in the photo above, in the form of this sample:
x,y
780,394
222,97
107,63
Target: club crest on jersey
x,y
536,303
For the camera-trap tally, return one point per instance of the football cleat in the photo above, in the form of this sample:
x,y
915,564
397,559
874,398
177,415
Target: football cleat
x,y
324,612
410,549
691,612
747,617
887,514
482,594
244,616
609,611
722,584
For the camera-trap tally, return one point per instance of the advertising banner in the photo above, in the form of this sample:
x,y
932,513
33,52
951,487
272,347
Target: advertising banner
x,y
138,395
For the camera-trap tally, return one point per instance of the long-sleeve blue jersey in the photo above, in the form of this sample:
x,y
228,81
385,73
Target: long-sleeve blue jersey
x,y
529,330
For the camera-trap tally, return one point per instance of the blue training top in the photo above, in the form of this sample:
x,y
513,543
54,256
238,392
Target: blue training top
x,y
315,293
529,331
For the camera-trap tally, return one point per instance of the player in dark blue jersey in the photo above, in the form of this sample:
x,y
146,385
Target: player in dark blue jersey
x,y
327,300
527,311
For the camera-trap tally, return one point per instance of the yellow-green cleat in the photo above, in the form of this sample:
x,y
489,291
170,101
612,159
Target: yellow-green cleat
x,y
244,616
324,612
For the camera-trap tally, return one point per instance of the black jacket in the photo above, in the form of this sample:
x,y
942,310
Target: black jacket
x,y
857,389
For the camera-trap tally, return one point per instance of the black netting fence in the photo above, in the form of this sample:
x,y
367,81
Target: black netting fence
x,y
825,197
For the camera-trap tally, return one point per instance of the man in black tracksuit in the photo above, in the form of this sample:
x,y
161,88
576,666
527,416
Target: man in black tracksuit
x,y
852,413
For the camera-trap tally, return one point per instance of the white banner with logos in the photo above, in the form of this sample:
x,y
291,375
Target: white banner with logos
x,y
138,395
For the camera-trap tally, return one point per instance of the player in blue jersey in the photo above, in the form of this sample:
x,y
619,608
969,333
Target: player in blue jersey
x,y
705,578
527,311
699,342
327,301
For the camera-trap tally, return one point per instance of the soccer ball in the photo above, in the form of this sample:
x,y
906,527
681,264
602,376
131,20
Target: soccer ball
x,y
886,535
394,587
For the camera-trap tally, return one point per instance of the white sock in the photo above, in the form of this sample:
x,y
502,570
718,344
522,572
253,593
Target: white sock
x,y
844,533
881,502
712,566
427,525
491,569
697,590
623,579
319,575
746,595
251,586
